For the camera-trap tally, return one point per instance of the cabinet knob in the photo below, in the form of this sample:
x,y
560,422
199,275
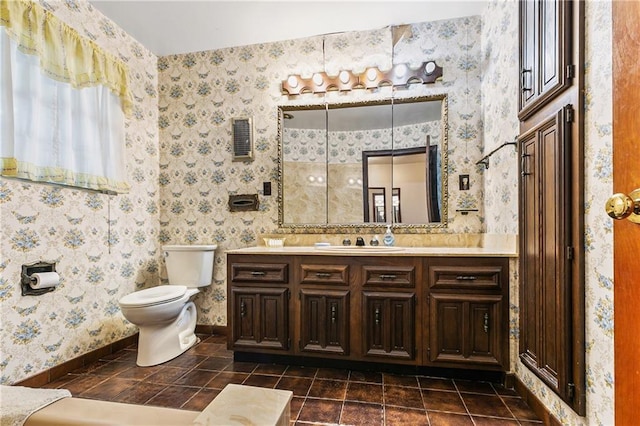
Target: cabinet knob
x,y
621,206
333,314
377,316
486,322
243,309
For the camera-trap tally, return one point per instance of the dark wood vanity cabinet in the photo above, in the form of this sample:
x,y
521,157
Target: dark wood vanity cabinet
x,y
468,313
546,42
413,310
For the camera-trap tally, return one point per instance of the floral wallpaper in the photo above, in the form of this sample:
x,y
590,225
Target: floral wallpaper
x,y
104,246
499,37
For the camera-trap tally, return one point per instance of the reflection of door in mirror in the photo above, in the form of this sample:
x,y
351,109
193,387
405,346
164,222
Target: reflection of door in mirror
x,y
413,172
377,203
395,205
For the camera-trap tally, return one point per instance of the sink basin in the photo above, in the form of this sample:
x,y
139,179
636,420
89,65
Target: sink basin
x,y
361,249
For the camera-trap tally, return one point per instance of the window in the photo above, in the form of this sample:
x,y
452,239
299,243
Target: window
x,y
61,121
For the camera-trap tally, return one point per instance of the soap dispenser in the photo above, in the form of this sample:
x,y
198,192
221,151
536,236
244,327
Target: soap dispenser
x,y
388,238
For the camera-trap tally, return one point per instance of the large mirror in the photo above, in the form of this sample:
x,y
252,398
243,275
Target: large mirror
x,y
364,165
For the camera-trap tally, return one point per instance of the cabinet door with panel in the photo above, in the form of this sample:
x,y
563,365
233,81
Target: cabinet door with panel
x,y
546,67
388,322
324,321
465,329
546,251
260,318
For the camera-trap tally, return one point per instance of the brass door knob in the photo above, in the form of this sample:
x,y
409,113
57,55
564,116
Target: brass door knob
x,y
621,206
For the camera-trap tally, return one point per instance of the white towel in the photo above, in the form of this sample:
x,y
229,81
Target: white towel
x,y
17,403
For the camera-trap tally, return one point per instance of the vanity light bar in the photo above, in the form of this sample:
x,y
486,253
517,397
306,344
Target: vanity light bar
x,y
372,78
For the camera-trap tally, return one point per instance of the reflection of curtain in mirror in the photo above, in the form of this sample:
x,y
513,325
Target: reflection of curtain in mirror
x,y
433,196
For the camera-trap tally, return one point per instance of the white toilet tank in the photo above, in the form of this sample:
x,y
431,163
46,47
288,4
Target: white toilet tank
x,y
191,266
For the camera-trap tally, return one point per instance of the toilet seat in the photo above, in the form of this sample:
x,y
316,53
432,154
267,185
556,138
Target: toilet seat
x,y
153,296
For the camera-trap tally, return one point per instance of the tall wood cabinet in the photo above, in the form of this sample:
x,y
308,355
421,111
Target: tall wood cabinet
x,y
551,196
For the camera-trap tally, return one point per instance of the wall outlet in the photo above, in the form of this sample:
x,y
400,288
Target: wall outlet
x,y
464,182
266,188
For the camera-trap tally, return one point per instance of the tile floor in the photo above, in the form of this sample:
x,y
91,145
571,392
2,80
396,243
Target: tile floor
x,y
320,395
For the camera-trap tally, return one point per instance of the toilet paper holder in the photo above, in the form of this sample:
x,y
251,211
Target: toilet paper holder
x,y
26,278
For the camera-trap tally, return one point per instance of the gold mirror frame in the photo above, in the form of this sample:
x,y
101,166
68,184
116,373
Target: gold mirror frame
x,y
400,228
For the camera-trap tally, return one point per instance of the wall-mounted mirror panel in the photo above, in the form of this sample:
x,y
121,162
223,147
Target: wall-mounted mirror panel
x,y
336,159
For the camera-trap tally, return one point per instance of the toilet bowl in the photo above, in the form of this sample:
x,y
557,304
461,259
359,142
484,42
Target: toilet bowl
x,y
166,315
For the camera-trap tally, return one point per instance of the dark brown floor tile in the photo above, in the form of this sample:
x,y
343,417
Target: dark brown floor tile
x,y
224,378
185,361
139,373
404,416
486,405
443,401
240,367
296,405
166,375
197,378
298,385
139,393
261,381
270,369
520,409
437,418
475,387
296,371
330,389
531,423
332,373
357,413
214,363
395,380
224,353
90,367
364,392
436,383
403,397
200,400
61,382
215,338
365,376
206,348
124,355
108,389
320,411
501,390
493,421
83,383
112,368
173,396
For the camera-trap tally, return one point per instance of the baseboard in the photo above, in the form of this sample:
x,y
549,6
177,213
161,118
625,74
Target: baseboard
x,y
220,330
60,370
536,405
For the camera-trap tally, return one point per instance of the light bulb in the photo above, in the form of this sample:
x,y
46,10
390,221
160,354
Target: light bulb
x,y
371,74
400,70
430,67
292,80
317,79
344,77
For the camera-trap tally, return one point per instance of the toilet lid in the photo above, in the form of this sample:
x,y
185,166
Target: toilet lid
x,y
153,296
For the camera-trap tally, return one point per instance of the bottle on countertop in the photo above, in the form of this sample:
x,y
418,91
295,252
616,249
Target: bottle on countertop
x,y
388,238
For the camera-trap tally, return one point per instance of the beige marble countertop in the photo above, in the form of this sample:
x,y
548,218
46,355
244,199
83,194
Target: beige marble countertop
x,y
371,251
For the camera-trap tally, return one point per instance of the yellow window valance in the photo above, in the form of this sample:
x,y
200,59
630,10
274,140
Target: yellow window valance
x,y
64,55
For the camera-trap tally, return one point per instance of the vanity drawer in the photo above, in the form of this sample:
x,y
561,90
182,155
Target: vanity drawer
x,y
273,273
477,277
324,274
389,276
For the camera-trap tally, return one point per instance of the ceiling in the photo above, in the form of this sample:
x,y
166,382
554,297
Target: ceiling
x,y
182,26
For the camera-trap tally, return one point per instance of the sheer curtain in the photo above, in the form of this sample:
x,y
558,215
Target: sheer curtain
x,y
55,131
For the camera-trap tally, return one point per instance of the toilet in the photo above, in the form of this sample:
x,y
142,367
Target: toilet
x,y
166,314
